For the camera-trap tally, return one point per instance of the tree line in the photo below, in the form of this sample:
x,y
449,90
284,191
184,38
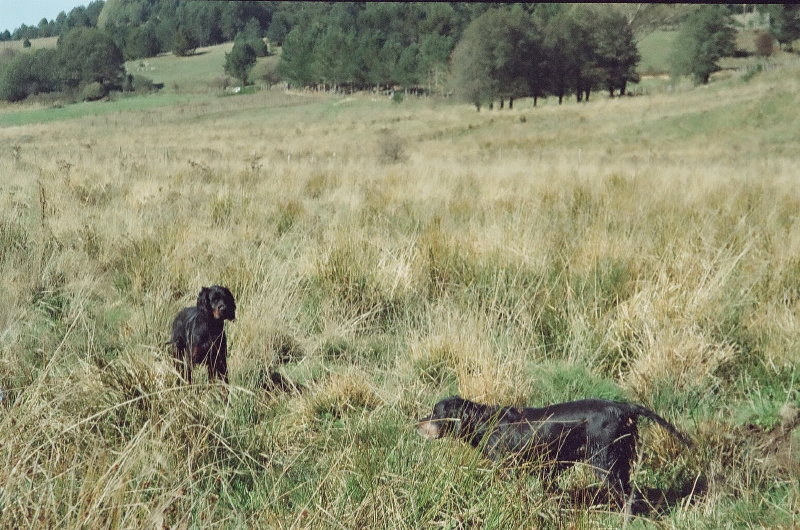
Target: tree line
x,y
81,16
86,60
481,52
508,53
95,41
145,28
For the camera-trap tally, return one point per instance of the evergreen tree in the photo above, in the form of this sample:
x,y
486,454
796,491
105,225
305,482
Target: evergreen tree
x,y
251,34
332,65
499,55
184,42
240,60
280,26
297,59
142,42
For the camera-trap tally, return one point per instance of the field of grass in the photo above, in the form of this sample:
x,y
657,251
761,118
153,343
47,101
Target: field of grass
x,y
656,47
198,73
46,42
384,256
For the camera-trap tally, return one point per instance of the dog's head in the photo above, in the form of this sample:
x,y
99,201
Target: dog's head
x,y
218,302
445,420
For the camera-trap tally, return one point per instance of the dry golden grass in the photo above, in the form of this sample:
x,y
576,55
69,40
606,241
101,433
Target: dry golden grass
x,y
643,248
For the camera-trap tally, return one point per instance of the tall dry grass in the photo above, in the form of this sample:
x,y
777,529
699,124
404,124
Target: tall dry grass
x,y
642,249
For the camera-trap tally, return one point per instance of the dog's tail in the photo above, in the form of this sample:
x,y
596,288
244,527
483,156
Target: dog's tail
x,y
647,413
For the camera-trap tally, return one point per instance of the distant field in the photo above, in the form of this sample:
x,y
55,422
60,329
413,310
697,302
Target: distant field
x,y
656,48
201,72
49,42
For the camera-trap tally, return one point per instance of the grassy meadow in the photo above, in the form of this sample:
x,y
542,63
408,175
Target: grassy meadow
x,y
384,256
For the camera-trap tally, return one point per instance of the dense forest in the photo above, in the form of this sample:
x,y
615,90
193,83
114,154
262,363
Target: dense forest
x,y
477,51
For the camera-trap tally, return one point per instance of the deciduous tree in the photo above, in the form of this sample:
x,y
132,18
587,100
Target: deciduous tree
x,y
705,37
89,55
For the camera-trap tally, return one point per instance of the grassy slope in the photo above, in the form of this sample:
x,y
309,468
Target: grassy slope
x,y
194,73
641,249
201,72
47,42
187,81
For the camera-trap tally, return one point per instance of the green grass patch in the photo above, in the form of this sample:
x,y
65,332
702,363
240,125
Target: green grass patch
x,y
202,72
184,74
15,116
655,50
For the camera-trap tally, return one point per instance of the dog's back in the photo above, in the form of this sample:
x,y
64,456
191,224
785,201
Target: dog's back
x,y
598,431
181,325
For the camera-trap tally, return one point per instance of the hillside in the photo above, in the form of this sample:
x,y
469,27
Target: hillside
x,y
383,256
201,72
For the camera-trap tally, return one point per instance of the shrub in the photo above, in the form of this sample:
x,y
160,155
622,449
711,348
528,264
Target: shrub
x,y
221,82
392,149
764,44
184,44
93,92
240,60
28,74
142,84
269,74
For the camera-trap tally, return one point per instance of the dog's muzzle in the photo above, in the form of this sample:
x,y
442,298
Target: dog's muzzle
x,y
429,429
433,428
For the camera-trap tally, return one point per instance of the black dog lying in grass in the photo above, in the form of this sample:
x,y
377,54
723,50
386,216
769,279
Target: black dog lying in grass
x,y
198,333
600,432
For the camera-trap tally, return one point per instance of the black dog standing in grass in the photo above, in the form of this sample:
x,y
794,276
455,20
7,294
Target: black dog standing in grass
x,y
198,333
597,431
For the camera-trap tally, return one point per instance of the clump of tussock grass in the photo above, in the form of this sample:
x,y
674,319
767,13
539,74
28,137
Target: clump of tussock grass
x,y
454,360
344,285
391,148
136,263
257,367
320,182
91,194
288,215
285,347
650,347
15,239
222,208
340,395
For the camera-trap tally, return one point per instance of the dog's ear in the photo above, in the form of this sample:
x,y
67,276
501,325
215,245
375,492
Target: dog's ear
x,y
203,302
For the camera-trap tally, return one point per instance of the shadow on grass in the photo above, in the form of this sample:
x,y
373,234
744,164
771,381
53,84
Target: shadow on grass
x,y
651,502
275,383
